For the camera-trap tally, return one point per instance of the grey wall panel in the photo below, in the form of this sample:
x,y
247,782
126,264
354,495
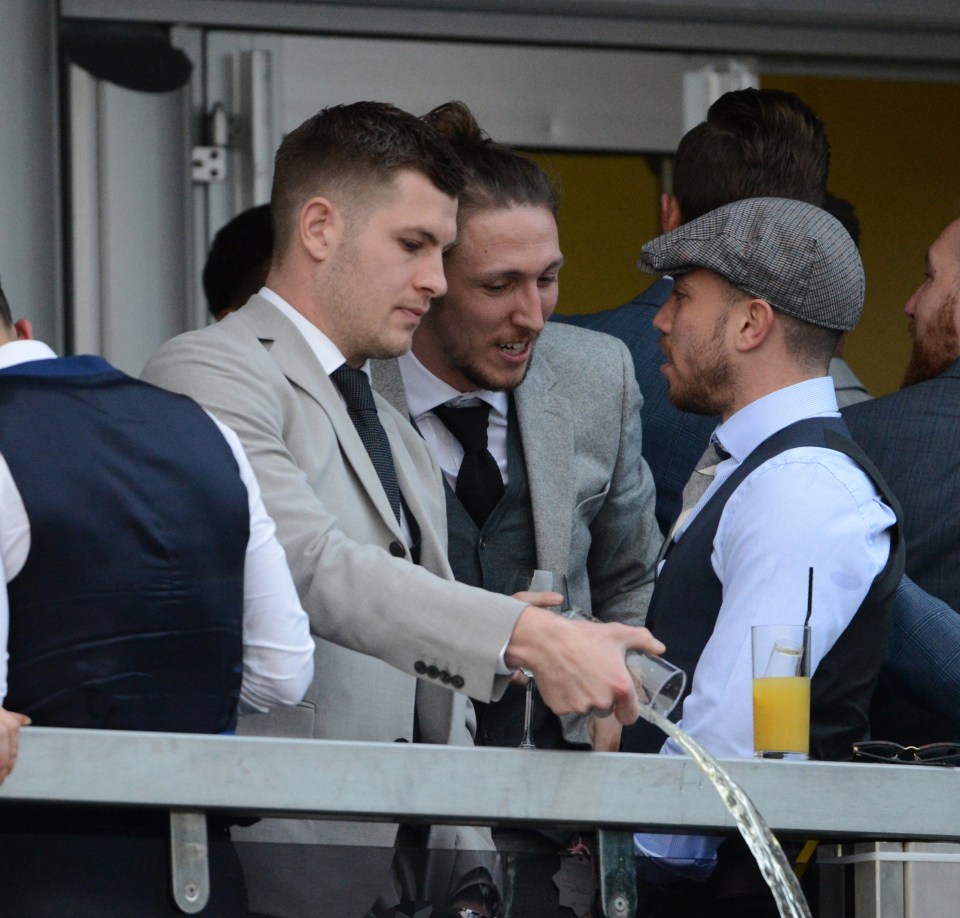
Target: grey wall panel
x,y
131,249
826,30
29,175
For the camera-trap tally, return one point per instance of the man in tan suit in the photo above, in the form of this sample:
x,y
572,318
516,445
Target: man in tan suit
x,y
364,203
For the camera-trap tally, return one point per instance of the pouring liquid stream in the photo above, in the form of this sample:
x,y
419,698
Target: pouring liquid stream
x,y
765,848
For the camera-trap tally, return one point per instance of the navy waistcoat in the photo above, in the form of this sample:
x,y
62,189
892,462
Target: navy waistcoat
x,y
128,611
487,558
688,595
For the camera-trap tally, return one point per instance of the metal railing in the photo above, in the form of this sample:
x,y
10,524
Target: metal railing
x,y
192,775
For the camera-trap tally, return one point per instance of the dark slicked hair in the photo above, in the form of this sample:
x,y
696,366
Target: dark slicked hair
x,y
496,176
843,210
6,317
238,260
755,143
350,154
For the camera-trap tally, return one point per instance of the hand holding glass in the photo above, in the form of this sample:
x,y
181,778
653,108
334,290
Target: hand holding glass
x,y
659,684
536,581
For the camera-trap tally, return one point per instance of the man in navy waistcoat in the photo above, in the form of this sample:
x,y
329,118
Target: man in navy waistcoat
x,y
763,288
143,589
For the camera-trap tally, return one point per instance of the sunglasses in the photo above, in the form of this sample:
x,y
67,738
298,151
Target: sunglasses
x,y
885,751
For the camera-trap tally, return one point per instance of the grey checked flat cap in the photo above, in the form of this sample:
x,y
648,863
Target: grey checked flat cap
x,y
793,255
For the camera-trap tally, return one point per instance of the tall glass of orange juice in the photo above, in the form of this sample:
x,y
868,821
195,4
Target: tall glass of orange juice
x,y
781,691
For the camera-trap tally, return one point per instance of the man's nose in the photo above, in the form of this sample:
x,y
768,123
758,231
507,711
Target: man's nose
x,y
529,310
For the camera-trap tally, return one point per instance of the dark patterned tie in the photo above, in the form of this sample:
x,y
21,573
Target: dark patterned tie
x,y
355,387
479,483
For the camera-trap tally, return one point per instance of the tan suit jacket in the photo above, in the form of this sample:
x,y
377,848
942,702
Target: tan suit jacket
x,y
379,621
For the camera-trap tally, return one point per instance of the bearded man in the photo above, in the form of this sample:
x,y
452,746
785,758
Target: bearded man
x,y
914,439
913,436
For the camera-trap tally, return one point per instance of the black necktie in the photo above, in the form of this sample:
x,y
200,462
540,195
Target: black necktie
x,y
479,483
355,387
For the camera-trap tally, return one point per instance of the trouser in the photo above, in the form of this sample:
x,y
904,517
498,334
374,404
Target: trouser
x,y
736,889
102,862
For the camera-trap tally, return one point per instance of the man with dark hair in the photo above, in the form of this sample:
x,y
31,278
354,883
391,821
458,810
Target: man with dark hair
x,y
238,261
849,388
763,288
364,203
143,588
536,428
754,142
914,438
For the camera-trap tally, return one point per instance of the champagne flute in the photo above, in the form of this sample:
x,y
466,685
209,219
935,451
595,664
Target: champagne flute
x,y
538,581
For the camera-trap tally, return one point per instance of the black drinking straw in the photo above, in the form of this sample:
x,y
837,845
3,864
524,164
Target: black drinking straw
x,y
806,621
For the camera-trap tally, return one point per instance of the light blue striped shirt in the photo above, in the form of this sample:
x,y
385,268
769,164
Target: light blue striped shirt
x,y
807,507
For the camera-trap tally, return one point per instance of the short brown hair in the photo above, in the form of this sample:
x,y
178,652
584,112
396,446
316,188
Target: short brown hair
x,y
496,176
755,143
351,152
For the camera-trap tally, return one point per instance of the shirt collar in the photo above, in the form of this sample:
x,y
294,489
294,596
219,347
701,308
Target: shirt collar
x,y
326,352
424,390
23,351
751,425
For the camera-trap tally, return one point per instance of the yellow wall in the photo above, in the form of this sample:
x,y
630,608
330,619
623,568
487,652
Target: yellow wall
x,y
609,210
896,156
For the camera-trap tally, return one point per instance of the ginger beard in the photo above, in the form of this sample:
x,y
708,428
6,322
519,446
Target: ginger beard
x,y
935,349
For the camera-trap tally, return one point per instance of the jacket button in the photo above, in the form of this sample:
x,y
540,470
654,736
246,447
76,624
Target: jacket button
x,y
397,550
401,739
420,667
444,677
433,672
456,681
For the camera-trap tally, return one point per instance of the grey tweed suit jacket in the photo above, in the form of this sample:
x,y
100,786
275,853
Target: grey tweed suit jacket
x,y
913,436
379,621
591,492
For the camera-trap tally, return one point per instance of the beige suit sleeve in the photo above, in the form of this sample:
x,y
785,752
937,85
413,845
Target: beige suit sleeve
x,y
356,593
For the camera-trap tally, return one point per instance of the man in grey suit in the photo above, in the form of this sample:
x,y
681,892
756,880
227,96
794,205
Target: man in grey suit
x,y
913,436
559,411
364,202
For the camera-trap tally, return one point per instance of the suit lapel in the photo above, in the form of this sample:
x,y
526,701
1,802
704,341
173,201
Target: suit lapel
x,y
417,490
546,431
295,359
389,383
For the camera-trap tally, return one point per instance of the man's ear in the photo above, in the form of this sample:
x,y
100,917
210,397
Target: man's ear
x,y
755,319
24,329
320,226
670,217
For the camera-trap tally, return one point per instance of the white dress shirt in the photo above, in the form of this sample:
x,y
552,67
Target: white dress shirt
x,y
807,507
277,646
424,391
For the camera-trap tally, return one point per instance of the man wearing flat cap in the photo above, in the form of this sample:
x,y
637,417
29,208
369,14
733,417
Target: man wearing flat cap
x,y
763,288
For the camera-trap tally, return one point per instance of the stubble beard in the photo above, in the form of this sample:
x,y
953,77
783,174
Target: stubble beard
x,y
939,347
710,389
480,379
708,392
